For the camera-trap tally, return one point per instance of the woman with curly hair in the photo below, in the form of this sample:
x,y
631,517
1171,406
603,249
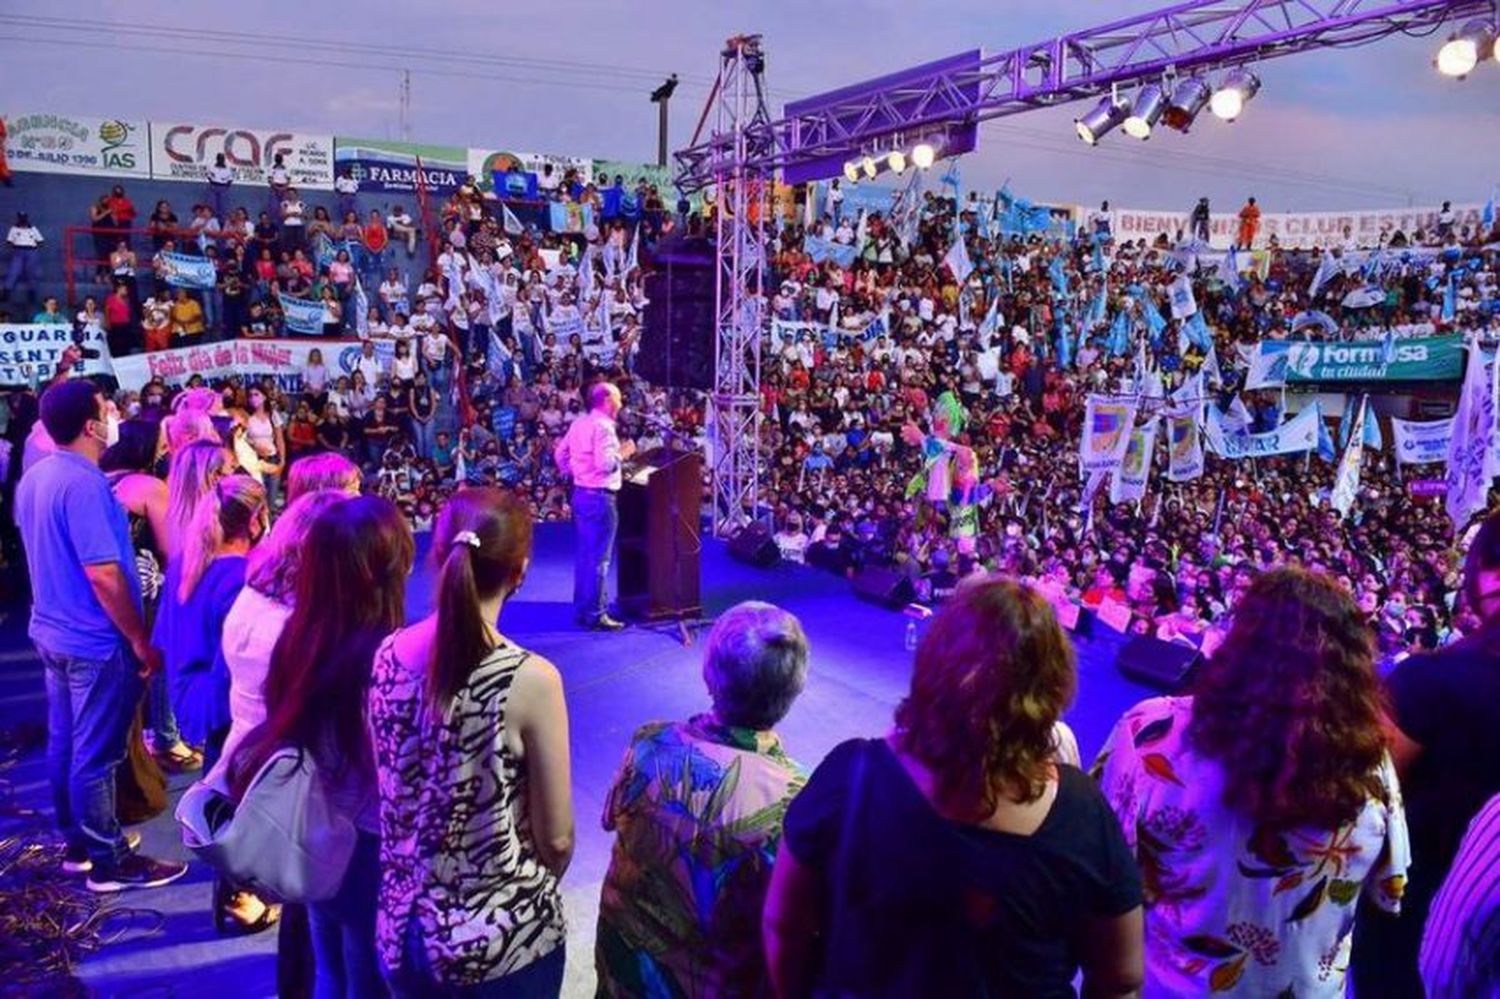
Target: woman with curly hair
x,y
957,856
1262,807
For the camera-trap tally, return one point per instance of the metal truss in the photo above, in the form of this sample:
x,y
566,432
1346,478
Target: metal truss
x,y
740,172
1184,38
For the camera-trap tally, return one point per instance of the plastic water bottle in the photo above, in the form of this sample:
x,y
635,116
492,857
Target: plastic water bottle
x,y
911,636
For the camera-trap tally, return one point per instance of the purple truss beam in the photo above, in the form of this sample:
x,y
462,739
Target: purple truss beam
x,y
1185,38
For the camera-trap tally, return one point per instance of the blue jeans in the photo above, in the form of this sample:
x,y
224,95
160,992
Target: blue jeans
x,y
161,720
343,930
541,979
25,268
423,436
597,521
90,704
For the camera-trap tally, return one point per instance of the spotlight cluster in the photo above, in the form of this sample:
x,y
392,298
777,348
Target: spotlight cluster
x,y
1177,109
921,156
1463,50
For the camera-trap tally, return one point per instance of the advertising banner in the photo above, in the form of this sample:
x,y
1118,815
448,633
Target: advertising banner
x,y
1184,445
1396,359
1129,481
185,151
29,353
57,143
485,163
1302,230
381,165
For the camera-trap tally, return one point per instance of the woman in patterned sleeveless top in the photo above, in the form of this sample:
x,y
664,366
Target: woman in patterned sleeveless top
x,y
471,749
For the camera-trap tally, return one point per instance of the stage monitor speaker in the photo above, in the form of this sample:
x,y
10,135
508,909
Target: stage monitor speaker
x,y
883,586
1165,666
677,330
753,545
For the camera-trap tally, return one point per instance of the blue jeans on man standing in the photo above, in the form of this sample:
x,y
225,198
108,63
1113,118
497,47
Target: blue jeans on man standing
x,y
90,704
597,520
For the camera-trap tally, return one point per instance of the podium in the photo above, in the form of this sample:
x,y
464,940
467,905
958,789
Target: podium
x,y
660,539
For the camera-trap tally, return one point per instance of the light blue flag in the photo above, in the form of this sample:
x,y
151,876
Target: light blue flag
x,y
1099,308
1198,333
1119,335
1155,324
1488,215
950,179
1064,342
361,309
183,271
301,315
1326,450
1373,437
820,249
1099,263
1059,277
1450,299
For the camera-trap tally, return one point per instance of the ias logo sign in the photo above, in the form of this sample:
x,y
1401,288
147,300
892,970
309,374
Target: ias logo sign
x,y
115,137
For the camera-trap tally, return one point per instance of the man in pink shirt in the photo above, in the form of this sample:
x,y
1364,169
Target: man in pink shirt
x,y
592,455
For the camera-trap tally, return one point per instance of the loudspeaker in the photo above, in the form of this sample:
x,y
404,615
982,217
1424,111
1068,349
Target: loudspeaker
x,y
883,586
753,544
677,329
1165,666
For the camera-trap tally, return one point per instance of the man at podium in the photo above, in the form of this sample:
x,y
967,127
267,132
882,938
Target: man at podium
x,y
592,455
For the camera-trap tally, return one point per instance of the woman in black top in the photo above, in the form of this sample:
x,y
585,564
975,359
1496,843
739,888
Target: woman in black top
x,y
956,856
162,224
333,432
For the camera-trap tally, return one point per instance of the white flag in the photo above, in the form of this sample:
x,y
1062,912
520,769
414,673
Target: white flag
x,y
958,261
1468,486
1210,368
1346,482
508,218
1184,303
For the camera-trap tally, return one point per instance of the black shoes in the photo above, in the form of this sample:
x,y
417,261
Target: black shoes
x,y
76,860
135,871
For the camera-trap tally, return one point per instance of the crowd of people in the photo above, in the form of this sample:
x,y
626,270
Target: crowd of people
x,y
406,787
1042,321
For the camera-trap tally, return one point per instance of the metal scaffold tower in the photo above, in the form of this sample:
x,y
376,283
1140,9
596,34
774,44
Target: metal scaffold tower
x,y
740,188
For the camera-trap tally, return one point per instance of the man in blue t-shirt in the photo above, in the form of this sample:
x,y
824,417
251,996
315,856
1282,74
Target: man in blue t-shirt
x,y
88,627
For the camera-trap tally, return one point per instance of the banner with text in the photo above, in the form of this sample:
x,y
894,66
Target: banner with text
x,y
186,151
59,143
301,315
391,167
1420,443
1292,229
485,163
1293,437
282,360
1106,433
1429,358
29,352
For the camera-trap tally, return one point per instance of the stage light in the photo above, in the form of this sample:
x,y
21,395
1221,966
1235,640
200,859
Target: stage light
x,y
1149,104
870,167
1461,53
1238,86
1093,125
851,172
923,155
896,161
1188,98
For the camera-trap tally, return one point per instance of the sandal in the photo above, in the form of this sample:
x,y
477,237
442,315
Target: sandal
x,y
232,908
180,758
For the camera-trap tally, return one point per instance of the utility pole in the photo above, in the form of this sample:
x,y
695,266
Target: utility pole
x,y
660,96
406,105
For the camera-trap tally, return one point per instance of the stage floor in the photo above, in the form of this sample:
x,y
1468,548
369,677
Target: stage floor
x,y
614,683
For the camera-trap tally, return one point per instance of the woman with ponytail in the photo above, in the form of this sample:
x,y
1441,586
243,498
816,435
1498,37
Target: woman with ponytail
x,y
471,750
203,580
349,595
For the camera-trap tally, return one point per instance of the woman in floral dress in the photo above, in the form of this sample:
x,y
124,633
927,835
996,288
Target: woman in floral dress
x,y
1262,807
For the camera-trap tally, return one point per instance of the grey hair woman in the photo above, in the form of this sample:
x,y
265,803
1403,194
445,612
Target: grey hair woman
x,y
697,812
